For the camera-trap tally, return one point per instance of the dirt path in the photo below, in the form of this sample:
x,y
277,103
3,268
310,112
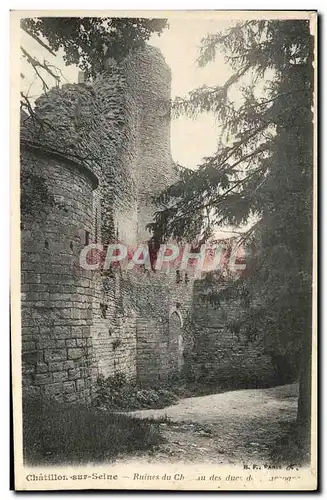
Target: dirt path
x,y
230,428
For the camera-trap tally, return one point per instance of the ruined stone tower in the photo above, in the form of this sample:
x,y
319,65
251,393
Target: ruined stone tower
x,y
104,151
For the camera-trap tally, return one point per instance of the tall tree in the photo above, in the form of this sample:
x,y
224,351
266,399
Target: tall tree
x,y
88,41
262,172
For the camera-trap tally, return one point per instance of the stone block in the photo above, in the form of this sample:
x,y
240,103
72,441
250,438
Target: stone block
x,y
32,357
53,388
76,353
32,391
75,314
60,343
28,379
71,397
28,369
84,371
56,366
81,342
46,344
60,376
74,374
80,384
43,378
88,382
69,387
61,332
68,365
55,355
28,346
65,313
71,342
42,368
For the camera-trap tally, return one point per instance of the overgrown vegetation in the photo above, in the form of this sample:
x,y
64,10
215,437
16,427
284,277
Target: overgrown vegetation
x,y
261,173
56,433
228,378
118,393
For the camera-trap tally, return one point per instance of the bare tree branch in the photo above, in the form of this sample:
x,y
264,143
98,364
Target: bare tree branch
x,y
35,63
39,41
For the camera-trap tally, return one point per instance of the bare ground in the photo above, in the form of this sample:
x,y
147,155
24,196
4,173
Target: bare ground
x,y
236,427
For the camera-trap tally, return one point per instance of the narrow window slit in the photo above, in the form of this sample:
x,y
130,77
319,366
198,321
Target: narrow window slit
x,y
103,308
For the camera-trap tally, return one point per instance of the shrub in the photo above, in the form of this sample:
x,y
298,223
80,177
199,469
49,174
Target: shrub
x,y
117,393
57,433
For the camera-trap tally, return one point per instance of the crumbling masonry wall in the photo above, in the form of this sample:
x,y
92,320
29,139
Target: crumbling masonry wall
x,y
103,149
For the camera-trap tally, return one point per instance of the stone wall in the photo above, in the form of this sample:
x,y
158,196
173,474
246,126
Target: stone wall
x,y
220,356
114,327
142,167
56,298
118,129
159,301
154,294
104,150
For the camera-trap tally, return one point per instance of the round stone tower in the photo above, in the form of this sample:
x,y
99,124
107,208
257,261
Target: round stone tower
x,y
148,78
56,298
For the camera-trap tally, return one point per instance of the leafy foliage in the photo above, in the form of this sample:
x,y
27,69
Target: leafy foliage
x,y
89,41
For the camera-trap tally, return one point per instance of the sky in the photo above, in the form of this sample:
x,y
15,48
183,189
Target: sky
x,y
191,140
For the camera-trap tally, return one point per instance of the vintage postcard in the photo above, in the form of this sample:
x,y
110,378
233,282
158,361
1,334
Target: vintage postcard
x,y
163,274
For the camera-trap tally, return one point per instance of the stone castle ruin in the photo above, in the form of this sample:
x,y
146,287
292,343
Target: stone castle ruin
x,y
103,149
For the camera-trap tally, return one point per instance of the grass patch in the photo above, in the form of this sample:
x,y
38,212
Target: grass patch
x,y
292,447
61,434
